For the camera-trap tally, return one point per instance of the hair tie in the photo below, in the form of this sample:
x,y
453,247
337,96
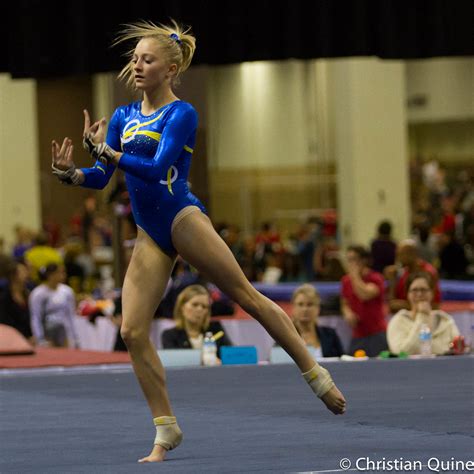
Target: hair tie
x,y
175,37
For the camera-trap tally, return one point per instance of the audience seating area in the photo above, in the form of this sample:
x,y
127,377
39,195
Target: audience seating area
x,y
244,330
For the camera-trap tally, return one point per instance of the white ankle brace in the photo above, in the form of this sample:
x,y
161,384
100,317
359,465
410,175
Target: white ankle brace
x,y
319,380
168,434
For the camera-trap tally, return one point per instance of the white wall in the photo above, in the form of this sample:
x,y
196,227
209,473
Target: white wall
x,y
256,112
19,175
447,85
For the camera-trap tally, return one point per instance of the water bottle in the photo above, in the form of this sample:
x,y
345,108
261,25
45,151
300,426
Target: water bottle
x,y
425,341
209,350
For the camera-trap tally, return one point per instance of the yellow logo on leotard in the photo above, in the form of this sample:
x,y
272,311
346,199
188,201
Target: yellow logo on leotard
x,y
132,129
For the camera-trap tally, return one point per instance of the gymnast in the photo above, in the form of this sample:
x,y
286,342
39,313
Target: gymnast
x,y
152,141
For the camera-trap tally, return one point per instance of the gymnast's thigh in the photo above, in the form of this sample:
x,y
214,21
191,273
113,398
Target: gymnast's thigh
x,y
145,282
199,244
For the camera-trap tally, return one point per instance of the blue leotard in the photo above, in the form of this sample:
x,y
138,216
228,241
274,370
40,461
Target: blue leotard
x,y
157,151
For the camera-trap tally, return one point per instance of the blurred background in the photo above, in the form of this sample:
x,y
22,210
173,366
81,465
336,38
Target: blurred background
x,y
319,120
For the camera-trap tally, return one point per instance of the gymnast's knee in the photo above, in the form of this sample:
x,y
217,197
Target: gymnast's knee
x,y
133,337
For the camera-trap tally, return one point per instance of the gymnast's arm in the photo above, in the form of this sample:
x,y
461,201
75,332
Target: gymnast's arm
x,y
179,127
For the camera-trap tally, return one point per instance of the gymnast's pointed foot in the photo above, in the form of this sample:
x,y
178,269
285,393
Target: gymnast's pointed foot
x,y
324,387
335,401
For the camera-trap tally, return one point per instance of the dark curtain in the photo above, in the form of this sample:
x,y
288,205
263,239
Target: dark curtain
x,y
54,39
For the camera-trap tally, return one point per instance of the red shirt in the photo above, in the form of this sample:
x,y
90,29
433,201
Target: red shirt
x,y
400,290
371,313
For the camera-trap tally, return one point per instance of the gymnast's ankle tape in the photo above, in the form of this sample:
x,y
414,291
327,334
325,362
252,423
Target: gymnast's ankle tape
x,y
319,380
168,434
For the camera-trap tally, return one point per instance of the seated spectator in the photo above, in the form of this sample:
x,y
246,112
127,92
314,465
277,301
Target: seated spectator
x,y
41,255
408,262
192,316
305,311
14,309
53,308
383,247
404,327
362,292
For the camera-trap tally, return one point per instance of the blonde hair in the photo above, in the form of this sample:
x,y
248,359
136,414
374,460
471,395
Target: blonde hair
x,y
177,43
307,290
187,294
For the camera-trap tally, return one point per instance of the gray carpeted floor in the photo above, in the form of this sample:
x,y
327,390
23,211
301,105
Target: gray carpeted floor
x,y
241,419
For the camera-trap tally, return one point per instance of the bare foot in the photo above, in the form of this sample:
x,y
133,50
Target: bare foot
x,y
157,454
335,401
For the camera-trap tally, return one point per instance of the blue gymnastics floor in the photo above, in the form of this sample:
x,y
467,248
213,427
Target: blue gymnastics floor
x,y
246,419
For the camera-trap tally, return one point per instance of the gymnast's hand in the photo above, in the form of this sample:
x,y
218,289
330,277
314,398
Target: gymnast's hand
x,y
62,164
93,134
94,140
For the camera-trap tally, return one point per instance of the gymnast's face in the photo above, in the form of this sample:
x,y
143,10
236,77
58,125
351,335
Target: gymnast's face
x,y
305,309
151,67
196,310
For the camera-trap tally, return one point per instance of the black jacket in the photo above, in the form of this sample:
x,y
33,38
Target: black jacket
x,y
330,343
13,314
175,338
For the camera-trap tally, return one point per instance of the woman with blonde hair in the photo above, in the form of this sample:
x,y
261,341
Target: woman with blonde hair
x,y
305,308
192,313
152,141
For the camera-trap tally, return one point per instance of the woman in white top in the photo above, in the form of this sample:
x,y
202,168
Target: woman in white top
x,y
52,309
404,328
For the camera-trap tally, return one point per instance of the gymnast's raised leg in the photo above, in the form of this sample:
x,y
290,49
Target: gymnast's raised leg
x,y
199,244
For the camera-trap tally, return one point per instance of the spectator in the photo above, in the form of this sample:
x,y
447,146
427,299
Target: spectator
x,y
267,241
305,312
53,308
410,262
404,327
363,303
14,309
41,255
74,270
23,241
192,316
452,258
273,271
5,261
383,248
308,237
426,249
326,261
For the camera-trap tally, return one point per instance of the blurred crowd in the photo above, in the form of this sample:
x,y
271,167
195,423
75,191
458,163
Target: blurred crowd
x,y
59,271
